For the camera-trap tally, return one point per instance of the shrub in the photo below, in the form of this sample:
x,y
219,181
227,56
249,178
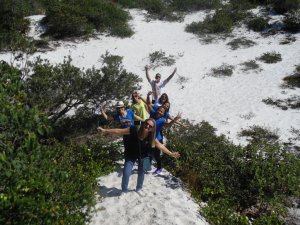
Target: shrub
x,y
292,102
66,19
223,70
240,184
220,22
270,57
44,182
293,81
292,21
257,133
258,24
13,25
250,65
57,89
194,5
159,58
283,6
287,40
240,42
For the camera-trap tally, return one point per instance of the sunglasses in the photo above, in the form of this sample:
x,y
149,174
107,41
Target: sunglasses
x,y
148,125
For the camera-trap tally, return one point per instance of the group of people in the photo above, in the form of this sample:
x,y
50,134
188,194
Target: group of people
x,y
142,134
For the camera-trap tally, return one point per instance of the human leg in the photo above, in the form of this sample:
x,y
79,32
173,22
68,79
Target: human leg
x,y
142,169
156,153
128,165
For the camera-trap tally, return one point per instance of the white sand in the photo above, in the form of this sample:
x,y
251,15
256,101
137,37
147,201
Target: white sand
x,y
163,201
229,104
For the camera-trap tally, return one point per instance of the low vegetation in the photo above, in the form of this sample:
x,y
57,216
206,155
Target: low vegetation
x,y
241,43
258,24
250,65
257,133
242,185
225,70
270,57
293,81
285,104
159,58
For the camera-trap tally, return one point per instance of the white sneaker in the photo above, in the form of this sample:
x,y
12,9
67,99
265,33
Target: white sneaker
x,y
122,195
141,192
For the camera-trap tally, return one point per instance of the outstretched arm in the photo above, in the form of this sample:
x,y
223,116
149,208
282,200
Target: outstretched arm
x,y
177,122
104,114
173,120
147,73
170,77
117,131
164,149
149,104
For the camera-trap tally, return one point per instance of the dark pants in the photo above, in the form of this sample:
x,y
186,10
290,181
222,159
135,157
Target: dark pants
x,y
156,155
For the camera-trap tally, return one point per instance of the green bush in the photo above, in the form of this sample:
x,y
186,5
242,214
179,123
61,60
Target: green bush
x,y
223,70
76,18
194,5
56,89
270,57
292,21
240,42
250,65
159,58
257,133
220,22
258,24
44,182
238,183
13,25
283,6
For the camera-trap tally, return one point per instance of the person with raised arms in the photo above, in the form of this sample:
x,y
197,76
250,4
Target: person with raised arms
x,y
158,83
140,142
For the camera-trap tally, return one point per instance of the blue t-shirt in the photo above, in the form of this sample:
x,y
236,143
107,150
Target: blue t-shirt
x,y
159,125
155,107
126,121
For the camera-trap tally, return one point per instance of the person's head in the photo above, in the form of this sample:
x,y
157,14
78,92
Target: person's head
x,y
166,105
163,98
120,107
157,77
134,96
147,128
160,112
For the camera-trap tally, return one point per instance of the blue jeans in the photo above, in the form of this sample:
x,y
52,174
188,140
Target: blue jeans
x,y
128,165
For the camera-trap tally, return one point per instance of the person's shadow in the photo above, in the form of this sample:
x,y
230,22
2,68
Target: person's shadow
x,y
109,192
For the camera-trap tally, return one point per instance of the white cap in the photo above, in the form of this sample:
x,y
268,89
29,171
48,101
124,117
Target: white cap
x,y
120,104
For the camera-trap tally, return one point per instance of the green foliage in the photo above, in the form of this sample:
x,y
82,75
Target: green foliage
x,y
270,57
258,24
293,81
240,42
237,182
292,21
159,58
250,65
220,22
223,70
292,102
257,134
76,18
13,25
194,5
44,182
283,6
57,89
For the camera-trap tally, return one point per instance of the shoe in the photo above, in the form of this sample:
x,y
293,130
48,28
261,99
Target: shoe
x,y
122,195
158,171
140,192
